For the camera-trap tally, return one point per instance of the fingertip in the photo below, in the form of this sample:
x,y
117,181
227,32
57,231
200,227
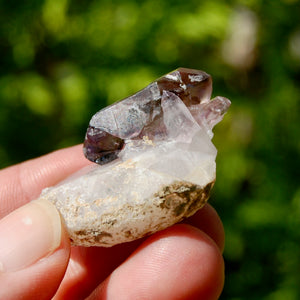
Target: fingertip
x,y
34,252
39,281
181,262
201,273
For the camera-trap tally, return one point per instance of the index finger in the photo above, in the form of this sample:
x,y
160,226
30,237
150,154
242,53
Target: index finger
x,y
24,182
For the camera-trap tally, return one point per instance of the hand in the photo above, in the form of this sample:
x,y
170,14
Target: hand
x,y
37,262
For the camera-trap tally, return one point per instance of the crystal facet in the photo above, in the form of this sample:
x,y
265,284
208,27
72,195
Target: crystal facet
x,y
157,162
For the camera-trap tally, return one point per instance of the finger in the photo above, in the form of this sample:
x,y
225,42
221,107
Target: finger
x,y
208,220
34,252
24,182
178,263
89,266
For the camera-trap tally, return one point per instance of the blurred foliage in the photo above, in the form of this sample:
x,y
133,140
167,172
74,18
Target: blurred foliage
x,y
62,60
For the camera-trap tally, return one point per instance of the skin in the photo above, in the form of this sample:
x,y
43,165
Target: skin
x,y
182,262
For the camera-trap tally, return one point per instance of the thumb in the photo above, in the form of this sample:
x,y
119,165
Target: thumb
x,y
34,252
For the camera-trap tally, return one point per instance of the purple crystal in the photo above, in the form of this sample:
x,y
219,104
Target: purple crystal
x,y
97,139
141,115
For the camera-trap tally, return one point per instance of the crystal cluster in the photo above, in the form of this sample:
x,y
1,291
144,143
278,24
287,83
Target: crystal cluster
x,y
143,114
155,162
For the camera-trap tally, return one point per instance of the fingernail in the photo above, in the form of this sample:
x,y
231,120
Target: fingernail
x,y
29,234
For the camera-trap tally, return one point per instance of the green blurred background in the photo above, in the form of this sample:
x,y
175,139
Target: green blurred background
x,y
61,61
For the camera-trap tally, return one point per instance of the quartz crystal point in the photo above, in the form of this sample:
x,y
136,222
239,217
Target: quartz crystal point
x,y
155,162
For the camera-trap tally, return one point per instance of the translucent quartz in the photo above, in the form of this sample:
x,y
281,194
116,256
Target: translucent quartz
x,y
143,114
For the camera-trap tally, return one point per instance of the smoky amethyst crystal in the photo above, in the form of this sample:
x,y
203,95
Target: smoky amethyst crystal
x,y
141,115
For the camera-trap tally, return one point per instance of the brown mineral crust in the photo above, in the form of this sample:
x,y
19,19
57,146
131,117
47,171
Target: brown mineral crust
x,y
128,234
88,236
181,198
184,198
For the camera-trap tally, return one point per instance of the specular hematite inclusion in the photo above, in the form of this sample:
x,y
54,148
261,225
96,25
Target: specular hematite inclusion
x,y
141,115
